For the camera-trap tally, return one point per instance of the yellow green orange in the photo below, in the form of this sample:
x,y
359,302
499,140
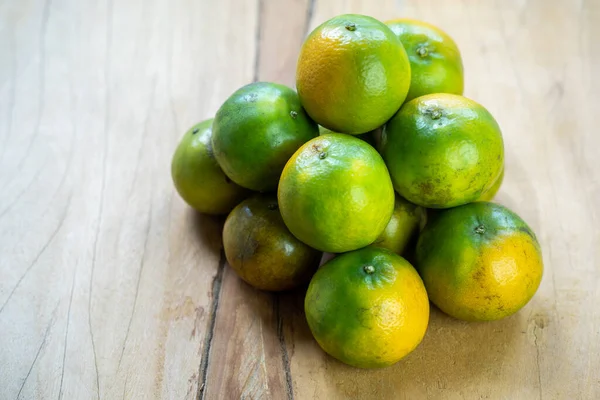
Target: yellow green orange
x,y
353,74
335,193
479,261
198,177
367,308
442,150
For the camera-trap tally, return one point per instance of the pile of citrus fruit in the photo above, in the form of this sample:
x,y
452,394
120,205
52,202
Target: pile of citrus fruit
x,y
379,159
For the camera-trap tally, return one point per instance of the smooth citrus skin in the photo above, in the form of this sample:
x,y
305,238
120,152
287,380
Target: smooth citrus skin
x,y
435,62
353,74
197,176
262,251
256,131
367,308
402,228
442,150
491,192
479,262
335,193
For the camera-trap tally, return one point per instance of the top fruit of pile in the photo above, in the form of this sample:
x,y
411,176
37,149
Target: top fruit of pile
x,y
378,132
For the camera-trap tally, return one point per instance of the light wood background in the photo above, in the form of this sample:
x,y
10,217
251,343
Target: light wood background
x,y
110,287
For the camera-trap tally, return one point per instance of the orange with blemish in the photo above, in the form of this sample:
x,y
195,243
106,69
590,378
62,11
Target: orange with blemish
x,y
262,251
479,262
442,150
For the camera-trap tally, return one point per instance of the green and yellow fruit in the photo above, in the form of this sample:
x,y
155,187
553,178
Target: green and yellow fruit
x,y
442,150
335,193
367,308
262,251
353,74
479,262
198,177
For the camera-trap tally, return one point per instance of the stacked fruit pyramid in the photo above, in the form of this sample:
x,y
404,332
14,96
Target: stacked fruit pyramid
x,y
379,159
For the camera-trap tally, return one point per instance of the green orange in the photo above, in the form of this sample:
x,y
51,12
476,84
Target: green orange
x,y
353,74
479,262
335,193
262,251
367,308
403,227
435,61
256,131
442,150
197,176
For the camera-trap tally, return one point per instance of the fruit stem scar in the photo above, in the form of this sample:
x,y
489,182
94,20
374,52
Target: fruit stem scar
x,y
293,114
322,155
369,269
480,229
434,112
351,26
422,51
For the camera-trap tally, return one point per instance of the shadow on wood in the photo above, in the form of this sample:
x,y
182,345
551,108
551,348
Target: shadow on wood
x,y
208,229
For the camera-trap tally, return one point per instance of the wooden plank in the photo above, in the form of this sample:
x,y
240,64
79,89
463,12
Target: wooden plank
x,y
106,274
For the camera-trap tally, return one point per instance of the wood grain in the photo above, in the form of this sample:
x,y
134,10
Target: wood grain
x,y
112,288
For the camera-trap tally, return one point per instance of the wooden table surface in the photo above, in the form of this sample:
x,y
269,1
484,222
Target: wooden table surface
x,y
110,287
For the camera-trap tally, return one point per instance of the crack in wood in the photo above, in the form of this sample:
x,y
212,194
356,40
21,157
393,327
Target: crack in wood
x,y
107,63
137,286
285,358
40,253
64,358
148,225
214,308
537,358
39,350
